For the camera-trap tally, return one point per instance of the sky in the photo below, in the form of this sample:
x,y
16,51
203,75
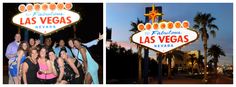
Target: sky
x,y
120,16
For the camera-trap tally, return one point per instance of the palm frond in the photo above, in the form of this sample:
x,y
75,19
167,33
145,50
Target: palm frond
x,y
196,26
211,20
212,26
215,51
213,33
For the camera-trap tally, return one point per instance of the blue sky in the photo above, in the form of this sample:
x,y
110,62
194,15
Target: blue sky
x,y
120,15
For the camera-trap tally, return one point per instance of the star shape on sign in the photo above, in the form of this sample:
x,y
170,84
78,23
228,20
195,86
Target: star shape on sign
x,y
153,14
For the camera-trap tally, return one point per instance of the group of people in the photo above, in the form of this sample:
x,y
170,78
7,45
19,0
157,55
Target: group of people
x,y
33,63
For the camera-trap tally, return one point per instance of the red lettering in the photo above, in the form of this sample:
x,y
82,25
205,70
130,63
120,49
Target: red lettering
x,y
168,39
161,38
152,39
180,39
186,38
27,21
62,20
33,20
52,20
55,20
21,23
173,39
68,20
146,39
140,40
49,20
43,20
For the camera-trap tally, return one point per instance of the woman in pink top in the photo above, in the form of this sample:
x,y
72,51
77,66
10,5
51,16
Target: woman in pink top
x,y
45,73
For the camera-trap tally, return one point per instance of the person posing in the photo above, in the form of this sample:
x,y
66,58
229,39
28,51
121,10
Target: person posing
x,y
58,49
21,57
45,74
57,66
90,65
30,68
11,54
15,66
89,44
31,42
71,72
34,43
48,43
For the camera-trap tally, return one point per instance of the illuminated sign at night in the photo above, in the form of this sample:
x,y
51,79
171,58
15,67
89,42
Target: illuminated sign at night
x,y
164,36
45,18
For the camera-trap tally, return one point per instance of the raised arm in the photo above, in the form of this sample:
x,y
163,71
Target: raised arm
x,y
94,42
37,42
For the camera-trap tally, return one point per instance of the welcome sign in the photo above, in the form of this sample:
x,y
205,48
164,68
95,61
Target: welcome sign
x,y
164,36
45,18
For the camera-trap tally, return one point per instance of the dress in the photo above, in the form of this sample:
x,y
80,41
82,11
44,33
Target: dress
x,y
31,74
46,78
69,74
13,66
92,66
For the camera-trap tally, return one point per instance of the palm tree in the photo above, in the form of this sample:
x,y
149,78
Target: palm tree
x,y
210,67
192,59
204,22
177,54
135,30
200,63
215,51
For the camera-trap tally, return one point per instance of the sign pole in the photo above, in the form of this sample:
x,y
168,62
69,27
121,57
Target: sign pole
x,y
146,52
74,27
150,14
159,58
146,59
26,35
41,39
18,30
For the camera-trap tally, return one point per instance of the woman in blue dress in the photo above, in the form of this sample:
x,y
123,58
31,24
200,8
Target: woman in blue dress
x,y
90,65
16,66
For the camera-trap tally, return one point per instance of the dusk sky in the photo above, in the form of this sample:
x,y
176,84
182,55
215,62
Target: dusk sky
x,y
119,18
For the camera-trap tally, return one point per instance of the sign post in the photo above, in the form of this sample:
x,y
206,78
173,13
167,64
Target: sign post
x,y
150,14
26,35
159,58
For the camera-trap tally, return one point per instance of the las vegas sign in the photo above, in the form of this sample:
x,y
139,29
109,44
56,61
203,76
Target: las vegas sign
x,y
164,36
45,18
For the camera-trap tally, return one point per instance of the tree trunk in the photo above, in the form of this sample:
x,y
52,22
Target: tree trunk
x,y
139,64
192,67
215,68
205,54
199,69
